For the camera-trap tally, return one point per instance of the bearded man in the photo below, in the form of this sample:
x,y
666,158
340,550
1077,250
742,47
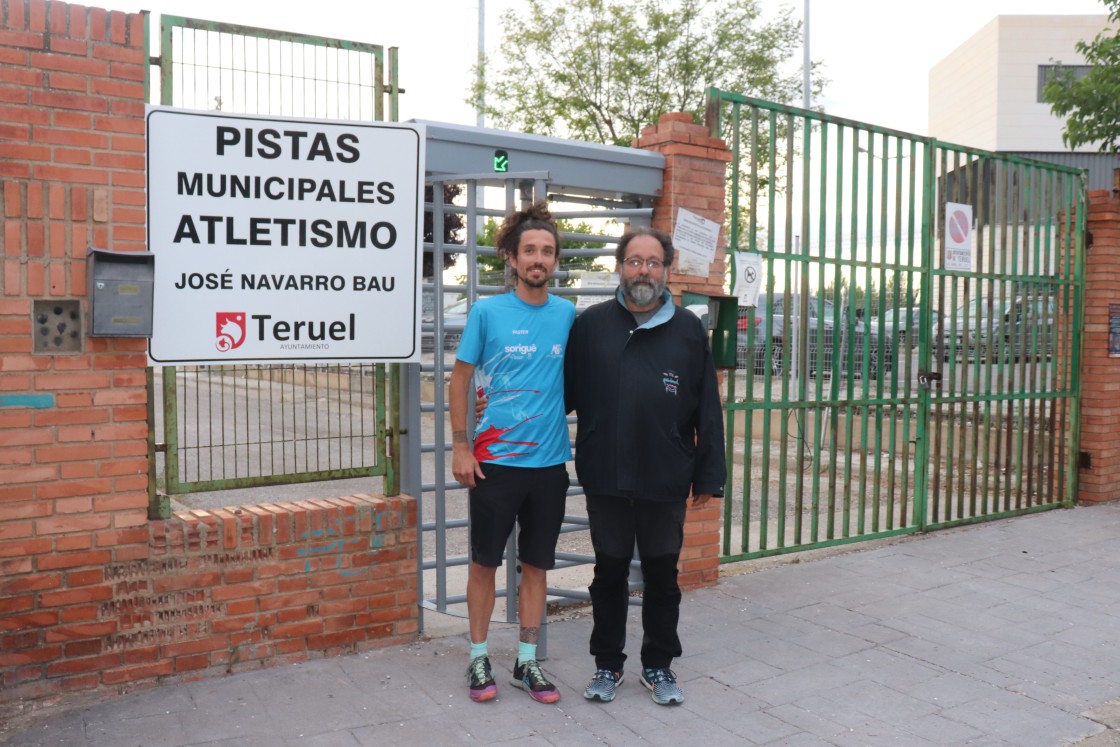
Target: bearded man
x,y
513,461
638,372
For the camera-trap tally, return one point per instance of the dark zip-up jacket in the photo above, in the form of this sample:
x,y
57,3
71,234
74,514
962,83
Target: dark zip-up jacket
x,y
650,424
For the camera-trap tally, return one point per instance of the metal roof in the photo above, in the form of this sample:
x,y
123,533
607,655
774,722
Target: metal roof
x,y
573,167
1099,165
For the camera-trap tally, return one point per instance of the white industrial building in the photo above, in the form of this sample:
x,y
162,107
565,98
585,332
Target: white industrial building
x,y
987,93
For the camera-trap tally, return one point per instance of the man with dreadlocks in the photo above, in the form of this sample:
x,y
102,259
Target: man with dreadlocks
x,y
512,353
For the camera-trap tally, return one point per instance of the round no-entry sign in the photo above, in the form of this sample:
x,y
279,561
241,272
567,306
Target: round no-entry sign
x,y
959,226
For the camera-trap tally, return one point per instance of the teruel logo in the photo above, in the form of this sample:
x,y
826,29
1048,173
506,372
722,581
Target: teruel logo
x,y
230,330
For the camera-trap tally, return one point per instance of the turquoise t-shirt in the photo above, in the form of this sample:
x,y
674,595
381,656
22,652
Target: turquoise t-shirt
x,y
517,350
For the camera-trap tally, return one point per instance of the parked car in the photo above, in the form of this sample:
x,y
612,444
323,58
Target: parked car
x,y
962,331
1024,328
984,327
907,320
454,319
821,344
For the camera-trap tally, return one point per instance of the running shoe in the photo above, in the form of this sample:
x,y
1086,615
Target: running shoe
x,y
481,679
529,677
602,685
662,682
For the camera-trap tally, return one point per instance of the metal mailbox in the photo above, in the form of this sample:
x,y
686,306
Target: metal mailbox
x,y
119,287
720,315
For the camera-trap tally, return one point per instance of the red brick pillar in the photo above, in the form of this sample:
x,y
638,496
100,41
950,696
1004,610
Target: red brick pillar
x,y
695,179
73,430
1100,375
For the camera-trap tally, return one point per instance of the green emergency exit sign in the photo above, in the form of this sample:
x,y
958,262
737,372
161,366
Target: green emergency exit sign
x,y
501,162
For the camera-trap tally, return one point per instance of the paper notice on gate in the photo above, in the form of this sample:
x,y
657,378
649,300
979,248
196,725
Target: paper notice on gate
x,y
595,281
695,238
748,277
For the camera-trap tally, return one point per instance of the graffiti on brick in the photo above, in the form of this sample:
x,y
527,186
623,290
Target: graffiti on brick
x,y
337,545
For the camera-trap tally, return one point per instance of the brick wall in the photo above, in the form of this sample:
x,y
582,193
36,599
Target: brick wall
x,y
219,591
1100,375
92,594
695,179
72,426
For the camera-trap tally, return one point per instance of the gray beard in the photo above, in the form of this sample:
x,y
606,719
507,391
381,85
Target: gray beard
x,y
642,293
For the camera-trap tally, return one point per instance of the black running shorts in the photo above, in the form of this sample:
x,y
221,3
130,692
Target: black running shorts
x,y
534,497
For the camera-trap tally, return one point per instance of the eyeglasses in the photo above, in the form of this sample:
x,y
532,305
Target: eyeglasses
x,y
636,263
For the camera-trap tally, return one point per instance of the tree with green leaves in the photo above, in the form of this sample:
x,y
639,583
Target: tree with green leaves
x,y
1091,104
452,228
601,70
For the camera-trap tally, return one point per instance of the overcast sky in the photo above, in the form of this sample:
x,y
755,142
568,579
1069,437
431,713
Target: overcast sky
x,y
877,53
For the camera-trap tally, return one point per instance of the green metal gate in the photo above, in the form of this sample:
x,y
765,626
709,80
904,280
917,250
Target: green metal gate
x,y
911,362
220,427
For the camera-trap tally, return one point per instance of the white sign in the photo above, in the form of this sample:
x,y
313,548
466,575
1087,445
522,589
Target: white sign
x,y
596,280
748,277
282,239
695,238
958,237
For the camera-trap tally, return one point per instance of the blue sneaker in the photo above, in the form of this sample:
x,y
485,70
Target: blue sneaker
x,y
602,685
662,682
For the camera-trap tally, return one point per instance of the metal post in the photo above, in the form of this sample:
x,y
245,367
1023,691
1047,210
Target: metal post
x,y
482,61
410,457
806,93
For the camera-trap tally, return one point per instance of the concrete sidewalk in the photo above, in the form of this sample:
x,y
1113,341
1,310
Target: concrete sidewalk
x,y
1000,634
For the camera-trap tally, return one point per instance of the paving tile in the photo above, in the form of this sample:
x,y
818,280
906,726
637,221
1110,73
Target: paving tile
x,y
881,703
888,667
417,733
1001,634
1022,721
326,739
943,731
951,689
781,652
269,741
144,731
788,687
811,715
66,729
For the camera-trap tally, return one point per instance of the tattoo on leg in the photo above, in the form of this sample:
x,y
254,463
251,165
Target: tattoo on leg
x,y
529,635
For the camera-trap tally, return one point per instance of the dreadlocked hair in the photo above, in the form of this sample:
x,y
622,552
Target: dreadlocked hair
x,y
536,217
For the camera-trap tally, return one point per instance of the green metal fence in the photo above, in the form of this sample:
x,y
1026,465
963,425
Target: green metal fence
x,y
248,70
1004,419
221,427
896,373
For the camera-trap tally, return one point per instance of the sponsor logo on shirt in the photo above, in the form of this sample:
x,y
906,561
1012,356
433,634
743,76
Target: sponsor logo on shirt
x,y
522,349
671,381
